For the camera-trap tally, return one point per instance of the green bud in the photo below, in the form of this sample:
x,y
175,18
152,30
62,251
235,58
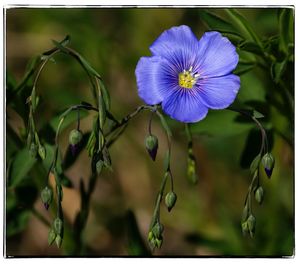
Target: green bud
x,y
33,150
158,242
51,236
46,196
170,200
33,99
259,195
245,213
245,228
251,221
99,166
191,171
150,236
157,230
151,143
58,241
42,151
75,137
58,226
268,162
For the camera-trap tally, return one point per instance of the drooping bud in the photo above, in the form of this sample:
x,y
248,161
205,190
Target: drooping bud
x,y
191,170
42,151
75,137
33,150
158,242
259,195
46,196
245,228
58,241
51,236
170,200
251,221
58,226
151,143
157,230
99,166
268,162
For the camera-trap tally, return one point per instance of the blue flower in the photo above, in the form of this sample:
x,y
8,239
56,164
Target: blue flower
x,y
188,76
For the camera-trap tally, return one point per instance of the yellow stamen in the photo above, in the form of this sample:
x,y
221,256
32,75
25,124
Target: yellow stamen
x,y
187,79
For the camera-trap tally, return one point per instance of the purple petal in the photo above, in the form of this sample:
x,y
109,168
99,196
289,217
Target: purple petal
x,y
74,149
178,45
218,92
185,105
216,55
155,79
269,172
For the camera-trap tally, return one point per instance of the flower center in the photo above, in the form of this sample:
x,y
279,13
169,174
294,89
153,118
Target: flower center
x,y
187,79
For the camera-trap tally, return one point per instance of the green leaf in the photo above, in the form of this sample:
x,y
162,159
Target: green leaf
x,y
61,45
167,161
21,166
254,164
88,67
243,26
285,29
165,125
243,68
136,245
277,70
220,123
217,23
257,114
105,94
250,46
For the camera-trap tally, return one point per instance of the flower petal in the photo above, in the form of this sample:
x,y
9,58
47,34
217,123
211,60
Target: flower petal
x,y
150,74
179,41
218,92
216,55
185,105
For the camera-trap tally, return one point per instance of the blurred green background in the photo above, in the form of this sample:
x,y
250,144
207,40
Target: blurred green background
x,y
206,218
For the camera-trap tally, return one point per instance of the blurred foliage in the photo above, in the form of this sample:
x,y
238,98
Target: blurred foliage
x,y
208,215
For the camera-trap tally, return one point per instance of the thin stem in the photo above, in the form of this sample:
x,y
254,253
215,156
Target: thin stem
x,y
258,124
159,197
127,118
150,124
78,119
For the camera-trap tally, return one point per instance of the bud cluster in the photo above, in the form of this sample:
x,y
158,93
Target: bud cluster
x,y
155,236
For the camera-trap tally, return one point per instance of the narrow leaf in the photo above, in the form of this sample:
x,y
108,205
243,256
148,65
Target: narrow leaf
x,y
243,26
21,166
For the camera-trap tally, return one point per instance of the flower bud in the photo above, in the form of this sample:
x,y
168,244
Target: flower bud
x,y
191,170
150,236
99,166
151,143
158,242
251,221
33,150
259,195
245,228
75,137
42,151
170,200
58,241
46,196
51,236
157,230
58,226
268,162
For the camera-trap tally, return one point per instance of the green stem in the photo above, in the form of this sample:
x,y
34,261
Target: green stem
x,y
159,197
